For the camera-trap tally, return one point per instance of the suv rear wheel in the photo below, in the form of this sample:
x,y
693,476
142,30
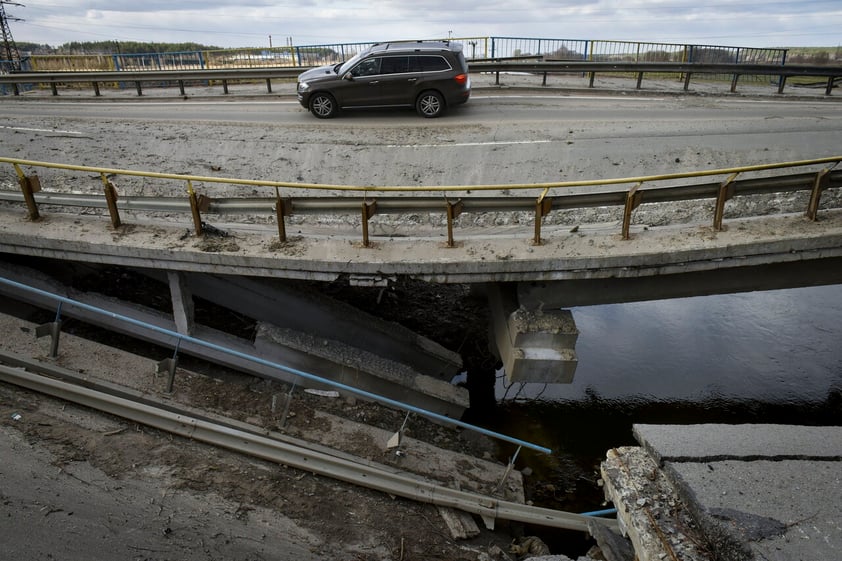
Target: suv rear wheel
x,y
323,105
430,104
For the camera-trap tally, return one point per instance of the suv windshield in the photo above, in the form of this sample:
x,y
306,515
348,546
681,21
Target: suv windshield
x,y
344,67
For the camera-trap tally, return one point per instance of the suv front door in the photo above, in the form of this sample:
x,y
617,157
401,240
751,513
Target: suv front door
x,y
380,81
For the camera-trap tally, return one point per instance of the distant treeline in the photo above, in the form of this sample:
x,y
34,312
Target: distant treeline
x,y
111,47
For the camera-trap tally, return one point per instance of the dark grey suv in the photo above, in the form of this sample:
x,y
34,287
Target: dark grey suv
x,y
428,75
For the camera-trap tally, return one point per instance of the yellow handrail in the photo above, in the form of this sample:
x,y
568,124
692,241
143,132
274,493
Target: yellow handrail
x,y
434,188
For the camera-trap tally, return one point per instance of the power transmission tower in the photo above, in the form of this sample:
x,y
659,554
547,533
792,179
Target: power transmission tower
x,y
11,55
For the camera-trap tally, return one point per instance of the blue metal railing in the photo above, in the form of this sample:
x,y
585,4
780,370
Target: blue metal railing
x,y
179,338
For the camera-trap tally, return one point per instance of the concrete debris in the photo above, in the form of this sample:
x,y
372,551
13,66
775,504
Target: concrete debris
x,y
649,510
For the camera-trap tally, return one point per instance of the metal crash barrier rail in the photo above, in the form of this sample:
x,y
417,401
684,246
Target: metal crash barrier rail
x,y
179,338
781,73
452,200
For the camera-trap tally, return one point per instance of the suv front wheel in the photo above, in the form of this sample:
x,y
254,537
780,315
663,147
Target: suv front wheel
x,y
323,105
430,104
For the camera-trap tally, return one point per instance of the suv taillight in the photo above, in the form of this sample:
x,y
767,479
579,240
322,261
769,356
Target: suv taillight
x,y
461,79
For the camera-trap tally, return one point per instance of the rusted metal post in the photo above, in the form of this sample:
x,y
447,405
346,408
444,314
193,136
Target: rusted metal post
x,y
819,185
369,209
29,186
283,208
111,201
453,211
726,191
543,206
194,208
633,200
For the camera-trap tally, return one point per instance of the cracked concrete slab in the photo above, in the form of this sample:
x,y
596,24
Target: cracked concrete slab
x,y
765,510
712,442
765,492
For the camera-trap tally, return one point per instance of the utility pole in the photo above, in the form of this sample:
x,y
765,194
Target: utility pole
x,y
11,55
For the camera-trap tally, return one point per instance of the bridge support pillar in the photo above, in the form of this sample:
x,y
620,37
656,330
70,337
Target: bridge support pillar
x,y
182,302
537,345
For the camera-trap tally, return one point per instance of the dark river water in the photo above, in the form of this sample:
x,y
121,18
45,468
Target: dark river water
x,y
781,346
766,357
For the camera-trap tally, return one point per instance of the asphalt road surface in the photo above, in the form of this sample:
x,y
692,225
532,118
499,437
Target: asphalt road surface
x,y
494,138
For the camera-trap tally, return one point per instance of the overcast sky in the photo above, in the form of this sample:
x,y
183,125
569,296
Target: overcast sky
x,y
250,23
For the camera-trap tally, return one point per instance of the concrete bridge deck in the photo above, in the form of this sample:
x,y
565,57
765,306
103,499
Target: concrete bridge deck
x,y
586,252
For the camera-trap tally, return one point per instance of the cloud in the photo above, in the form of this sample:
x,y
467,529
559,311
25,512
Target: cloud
x,y
250,23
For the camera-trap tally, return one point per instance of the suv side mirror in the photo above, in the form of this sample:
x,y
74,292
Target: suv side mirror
x,y
348,76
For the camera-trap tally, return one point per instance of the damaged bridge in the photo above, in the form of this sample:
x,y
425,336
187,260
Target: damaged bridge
x,y
545,261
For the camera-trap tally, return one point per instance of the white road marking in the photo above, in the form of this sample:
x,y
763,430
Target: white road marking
x,y
578,97
451,144
38,130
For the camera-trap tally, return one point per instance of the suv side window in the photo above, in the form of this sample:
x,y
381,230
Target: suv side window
x,y
368,67
432,63
394,65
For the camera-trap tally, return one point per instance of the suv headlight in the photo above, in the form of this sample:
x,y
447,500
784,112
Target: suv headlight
x,y
303,86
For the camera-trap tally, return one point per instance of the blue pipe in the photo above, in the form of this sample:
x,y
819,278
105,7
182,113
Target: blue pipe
x,y
306,375
605,512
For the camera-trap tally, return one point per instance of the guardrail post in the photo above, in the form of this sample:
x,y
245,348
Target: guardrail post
x,y
169,365
633,200
453,211
197,204
53,329
53,88
734,79
225,86
687,81
508,471
591,79
819,185
138,88
282,208
639,79
543,206
111,201
96,89
29,186
181,87
781,83
269,85
726,191
369,209
829,88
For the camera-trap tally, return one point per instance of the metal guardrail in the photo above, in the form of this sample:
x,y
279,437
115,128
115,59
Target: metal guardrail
x,y
545,68
450,200
685,69
180,338
247,440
